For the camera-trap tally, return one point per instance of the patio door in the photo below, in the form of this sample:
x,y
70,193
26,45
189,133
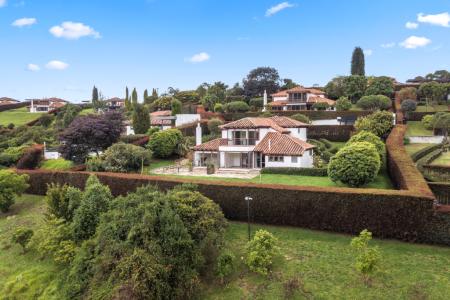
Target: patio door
x,y
245,160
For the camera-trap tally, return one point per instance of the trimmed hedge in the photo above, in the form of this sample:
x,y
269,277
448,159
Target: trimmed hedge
x,y
5,107
311,114
321,172
335,133
425,151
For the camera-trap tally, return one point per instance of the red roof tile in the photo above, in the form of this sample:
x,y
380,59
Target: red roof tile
x,y
275,143
161,113
298,89
211,145
321,100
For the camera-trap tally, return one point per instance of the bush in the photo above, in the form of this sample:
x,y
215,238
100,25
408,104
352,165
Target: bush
x,y
22,237
367,257
366,136
63,200
176,106
164,143
213,126
218,107
225,265
355,165
296,171
11,155
408,105
408,93
236,106
45,120
374,102
130,139
31,159
11,186
343,104
260,252
427,121
152,130
256,103
266,114
320,106
379,123
301,118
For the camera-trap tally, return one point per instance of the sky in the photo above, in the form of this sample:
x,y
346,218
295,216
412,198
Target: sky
x,y
61,48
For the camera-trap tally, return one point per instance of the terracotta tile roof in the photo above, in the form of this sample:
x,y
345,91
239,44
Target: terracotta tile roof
x,y
161,113
320,100
275,143
280,94
298,89
8,100
286,122
116,99
211,145
253,123
278,103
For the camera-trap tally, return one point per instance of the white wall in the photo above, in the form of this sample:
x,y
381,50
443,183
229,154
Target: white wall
x,y
129,130
305,161
284,98
325,122
426,139
182,119
299,133
51,155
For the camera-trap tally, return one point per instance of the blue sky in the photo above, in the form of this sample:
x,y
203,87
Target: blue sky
x,y
63,47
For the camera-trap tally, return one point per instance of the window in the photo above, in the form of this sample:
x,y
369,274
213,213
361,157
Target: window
x,y
276,158
294,159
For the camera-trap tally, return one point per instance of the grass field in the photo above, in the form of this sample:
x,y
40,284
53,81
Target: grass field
x,y
443,159
86,112
321,263
19,116
424,108
57,164
415,128
413,148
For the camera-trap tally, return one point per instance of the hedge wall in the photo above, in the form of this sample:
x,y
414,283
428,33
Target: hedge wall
x,y
423,152
387,213
418,115
335,133
5,107
296,171
311,114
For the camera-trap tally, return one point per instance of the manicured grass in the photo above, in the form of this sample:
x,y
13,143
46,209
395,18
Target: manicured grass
x,y
323,263
425,108
57,164
19,116
413,148
86,111
443,159
158,163
415,128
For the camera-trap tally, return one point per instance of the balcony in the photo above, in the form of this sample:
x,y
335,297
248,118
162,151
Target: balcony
x,y
242,142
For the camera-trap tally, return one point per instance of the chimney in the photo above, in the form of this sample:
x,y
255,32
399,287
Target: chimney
x,y
198,134
265,100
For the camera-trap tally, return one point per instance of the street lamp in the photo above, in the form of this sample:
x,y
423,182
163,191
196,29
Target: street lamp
x,y
248,199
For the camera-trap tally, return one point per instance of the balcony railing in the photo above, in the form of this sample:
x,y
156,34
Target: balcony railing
x,y
242,142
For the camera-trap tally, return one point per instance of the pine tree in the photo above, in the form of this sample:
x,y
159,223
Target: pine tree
x,y
127,99
358,64
141,119
95,98
134,98
145,95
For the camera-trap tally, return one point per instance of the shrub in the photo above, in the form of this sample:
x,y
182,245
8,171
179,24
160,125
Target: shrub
x,y
164,143
63,200
152,130
11,155
320,106
301,118
260,252
408,105
213,126
427,121
218,107
407,93
296,171
266,114
355,165
379,123
45,120
367,258
22,237
236,106
130,139
374,102
225,265
31,159
366,136
11,186
256,103
343,104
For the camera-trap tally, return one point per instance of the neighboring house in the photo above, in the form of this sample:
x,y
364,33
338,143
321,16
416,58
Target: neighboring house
x,y
6,100
45,105
164,120
256,143
115,103
299,98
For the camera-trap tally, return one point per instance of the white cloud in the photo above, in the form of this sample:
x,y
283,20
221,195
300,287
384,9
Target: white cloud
x,y
368,52
199,57
277,8
411,25
56,65
73,31
387,45
33,67
2,3
442,19
24,22
414,42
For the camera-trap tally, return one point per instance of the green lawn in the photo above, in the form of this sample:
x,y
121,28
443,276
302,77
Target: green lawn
x,y
57,164
19,116
321,262
415,128
413,148
425,108
86,111
443,159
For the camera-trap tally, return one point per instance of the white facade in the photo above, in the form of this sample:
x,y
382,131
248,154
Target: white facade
x,y
183,119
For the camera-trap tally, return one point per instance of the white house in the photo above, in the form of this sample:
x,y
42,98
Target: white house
x,y
46,105
299,98
255,143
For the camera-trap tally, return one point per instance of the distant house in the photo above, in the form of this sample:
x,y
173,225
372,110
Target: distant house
x,y
45,105
256,143
299,98
7,100
115,103
164,120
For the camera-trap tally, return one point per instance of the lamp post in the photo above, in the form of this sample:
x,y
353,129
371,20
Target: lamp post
x,y
248,199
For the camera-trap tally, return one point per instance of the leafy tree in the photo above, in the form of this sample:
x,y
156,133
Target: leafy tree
x,y
163,144
90,133
301,118
236,90
213,126
408,105
11,186
343,104
428,121
408,93
355,165
176,107
379,123
260,252
134,98
382,85
22,237
367,258
209,101
433,91
260,79
66,115
218,107
236,106
358,63
162,103
46,120
188,97
366,136
95,98
202,89
256,103
288,84
320,106
374,102
225,265
354,87
63,200
335,88
141,119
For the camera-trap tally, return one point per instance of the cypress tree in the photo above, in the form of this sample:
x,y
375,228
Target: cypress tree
x,y
358,64
141,119
95,97
127,99
145,95
134,97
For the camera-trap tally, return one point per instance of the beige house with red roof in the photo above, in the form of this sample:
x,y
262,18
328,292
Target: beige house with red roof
x,y
46,105
299,98
256,143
